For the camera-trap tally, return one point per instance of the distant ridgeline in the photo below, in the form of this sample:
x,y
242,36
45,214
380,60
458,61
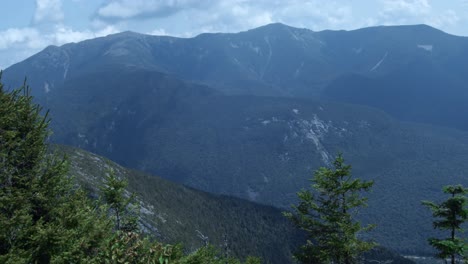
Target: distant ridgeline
x,y
253,114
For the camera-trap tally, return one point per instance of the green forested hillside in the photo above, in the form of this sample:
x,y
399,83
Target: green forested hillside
x,y
176,214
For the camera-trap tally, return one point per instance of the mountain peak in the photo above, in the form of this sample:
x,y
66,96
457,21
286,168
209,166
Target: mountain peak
x,y
405,29
273,27
125,34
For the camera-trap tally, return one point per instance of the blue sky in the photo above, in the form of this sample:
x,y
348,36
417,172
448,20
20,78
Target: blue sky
x,y
28,26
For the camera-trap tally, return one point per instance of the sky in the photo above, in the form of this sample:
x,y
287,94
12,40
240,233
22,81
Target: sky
x,y
28,26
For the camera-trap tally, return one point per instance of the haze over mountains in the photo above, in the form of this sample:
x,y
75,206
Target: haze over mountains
x,y
253,114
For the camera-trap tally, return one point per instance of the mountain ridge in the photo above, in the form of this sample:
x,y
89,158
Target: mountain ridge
x,y
274,60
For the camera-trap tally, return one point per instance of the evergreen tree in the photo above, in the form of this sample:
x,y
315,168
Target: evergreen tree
x,y
43,219
450,215
327,213
123,209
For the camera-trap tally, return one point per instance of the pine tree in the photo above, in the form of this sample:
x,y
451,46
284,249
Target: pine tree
x,y
326,213
43,218
123,207
450,215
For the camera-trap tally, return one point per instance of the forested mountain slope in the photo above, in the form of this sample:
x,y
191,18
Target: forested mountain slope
x,y
173,213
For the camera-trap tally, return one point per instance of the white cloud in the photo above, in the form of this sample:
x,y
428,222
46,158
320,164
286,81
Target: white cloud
x,y
24,42
233,15
126,9
48,11
318,15
34,39
260,19
240,15
47,28
401,12
447,18
158,32
63,34
411,7
20,36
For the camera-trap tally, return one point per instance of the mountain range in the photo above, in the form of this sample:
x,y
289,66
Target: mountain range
x,y
253,114
416,66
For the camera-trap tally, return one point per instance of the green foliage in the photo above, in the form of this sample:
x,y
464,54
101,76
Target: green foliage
x,y
253,260
210,255
123,208
327,215
131,247
43,218
206,254
450,215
